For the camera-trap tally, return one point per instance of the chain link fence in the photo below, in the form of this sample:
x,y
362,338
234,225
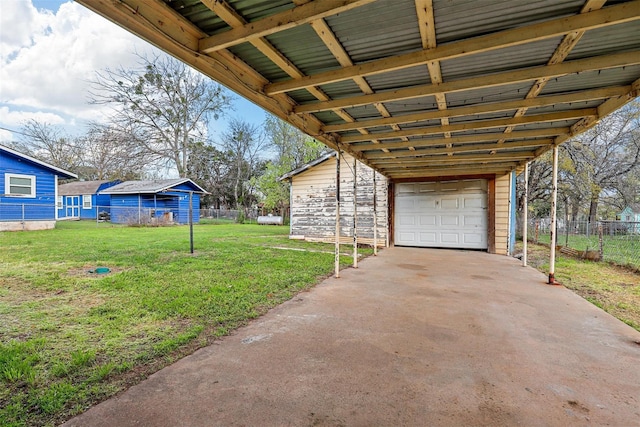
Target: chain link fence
x,y
612,241
25,212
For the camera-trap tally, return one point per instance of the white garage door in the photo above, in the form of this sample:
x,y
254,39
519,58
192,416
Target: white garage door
x,y
450,214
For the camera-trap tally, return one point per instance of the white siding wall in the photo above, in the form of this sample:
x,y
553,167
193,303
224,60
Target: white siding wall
x,y
313,202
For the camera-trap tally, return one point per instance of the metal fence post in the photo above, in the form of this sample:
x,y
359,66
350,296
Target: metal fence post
x,y
600,241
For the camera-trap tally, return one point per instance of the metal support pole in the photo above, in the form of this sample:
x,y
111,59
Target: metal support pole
x,y
355,213
191,219
375,217
554,202
525,215
337,245
139,210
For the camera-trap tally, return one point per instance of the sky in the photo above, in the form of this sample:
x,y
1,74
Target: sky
x,y
50,51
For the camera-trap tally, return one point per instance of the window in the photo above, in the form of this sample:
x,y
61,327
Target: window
x,y
19,185
59,202
86,201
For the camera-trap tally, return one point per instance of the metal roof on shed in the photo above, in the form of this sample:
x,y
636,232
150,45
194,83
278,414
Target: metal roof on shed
x,y
400,83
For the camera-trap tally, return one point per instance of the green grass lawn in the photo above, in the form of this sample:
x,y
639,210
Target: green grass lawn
x,y
613,288
70,338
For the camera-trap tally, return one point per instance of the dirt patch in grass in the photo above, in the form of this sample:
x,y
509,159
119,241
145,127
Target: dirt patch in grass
x,y
613,288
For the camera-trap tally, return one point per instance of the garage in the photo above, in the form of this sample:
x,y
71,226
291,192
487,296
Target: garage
x,y
445,214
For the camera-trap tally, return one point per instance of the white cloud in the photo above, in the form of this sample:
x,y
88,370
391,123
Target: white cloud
x,y
5,136
16,119
48,59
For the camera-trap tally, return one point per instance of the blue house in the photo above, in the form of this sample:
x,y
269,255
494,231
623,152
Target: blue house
x,y
29,193
154,202
80,199
631,215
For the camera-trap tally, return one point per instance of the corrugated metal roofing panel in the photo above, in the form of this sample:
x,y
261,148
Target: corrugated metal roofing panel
x,y
359,30
528,55
461,19
592,80
253,10
199,14
413,105
606,40
342,89
487,116
304,48
256,60
328,117
412,76
564,107
508,92
547,125
363,112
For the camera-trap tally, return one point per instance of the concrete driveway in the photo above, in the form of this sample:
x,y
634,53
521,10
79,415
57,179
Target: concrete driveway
x,y
414,337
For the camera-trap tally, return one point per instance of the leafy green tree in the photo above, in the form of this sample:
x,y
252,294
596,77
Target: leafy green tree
x,y
292,150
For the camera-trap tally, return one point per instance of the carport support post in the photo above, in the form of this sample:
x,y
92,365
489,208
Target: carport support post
x,y
525,212
375,217
355,213
191,219
554,202
337,246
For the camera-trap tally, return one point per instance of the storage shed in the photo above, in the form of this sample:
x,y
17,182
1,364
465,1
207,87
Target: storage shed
x,y
156,201
313,201
81,199
445,212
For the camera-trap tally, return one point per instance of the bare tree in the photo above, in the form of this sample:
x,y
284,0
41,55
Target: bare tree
x,y
109,154
163,106
606,154
49,143
246,146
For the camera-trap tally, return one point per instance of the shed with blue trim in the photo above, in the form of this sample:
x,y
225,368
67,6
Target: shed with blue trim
x,y
29,191
81,199
156,201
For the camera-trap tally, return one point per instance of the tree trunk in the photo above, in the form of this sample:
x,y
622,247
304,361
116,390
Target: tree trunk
x,y
593,208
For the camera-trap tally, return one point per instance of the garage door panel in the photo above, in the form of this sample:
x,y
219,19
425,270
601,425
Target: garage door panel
x,y
473,221
428,238
449,238
449,220
442,214
473,203
426,204
407,220
450,203
472,238
428,220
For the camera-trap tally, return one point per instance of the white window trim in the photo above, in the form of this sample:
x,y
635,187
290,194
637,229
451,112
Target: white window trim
x,y
85,198
59,202
7,185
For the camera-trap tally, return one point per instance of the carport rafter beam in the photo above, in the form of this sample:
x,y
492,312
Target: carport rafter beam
x,y
495,107
503,39
492,80
465,139
443,159
303,14
477,125
464,149
472,166
502,169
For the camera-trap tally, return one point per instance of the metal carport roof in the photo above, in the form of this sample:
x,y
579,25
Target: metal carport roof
x,y
413,88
